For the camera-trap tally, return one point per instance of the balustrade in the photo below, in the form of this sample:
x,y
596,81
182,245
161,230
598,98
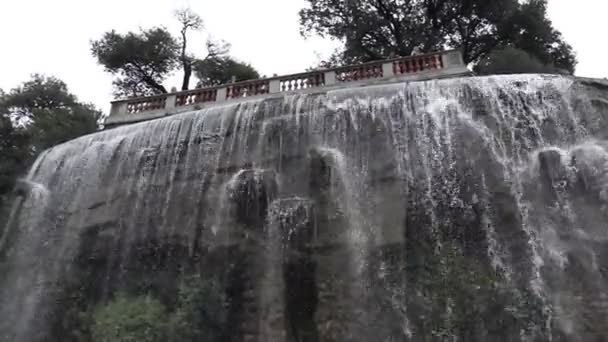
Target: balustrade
x,y
399,67
299,82
417,64
247,89
196,96
147,104
357,73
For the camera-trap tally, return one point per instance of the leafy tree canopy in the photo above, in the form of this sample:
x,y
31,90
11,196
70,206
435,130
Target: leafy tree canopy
x,y
40,92
48,113
220,70
535,34
377,29
37,115
14,153
140,61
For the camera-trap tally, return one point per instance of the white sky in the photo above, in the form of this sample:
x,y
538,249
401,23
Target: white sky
x,y
52,36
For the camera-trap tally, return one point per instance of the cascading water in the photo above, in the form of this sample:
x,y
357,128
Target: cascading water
x,y
467,209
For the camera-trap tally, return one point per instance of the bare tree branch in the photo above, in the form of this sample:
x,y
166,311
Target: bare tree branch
x,y
189,21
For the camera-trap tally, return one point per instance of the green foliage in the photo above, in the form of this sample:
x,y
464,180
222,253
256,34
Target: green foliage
x,y
376,29
460,297
52,127
533,32
140,61
14,154
220,70
201,312
200,315
37,115
48,113
513,61
125,319
40,92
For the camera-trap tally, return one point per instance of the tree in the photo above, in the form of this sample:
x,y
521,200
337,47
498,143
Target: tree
x,y
49,113
476,26
513,61
377,29
52,127
216,67
40,92
538,37
37,115
14,154
370,30
189,21
140,61
220,70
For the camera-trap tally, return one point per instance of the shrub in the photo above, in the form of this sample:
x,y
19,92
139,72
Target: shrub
x,y
125,319
201,314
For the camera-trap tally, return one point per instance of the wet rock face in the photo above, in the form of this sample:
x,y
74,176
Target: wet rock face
x,y
464,210
250,193
294,220
551,172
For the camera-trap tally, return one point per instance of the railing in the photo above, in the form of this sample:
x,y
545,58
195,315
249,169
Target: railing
x,y
360,72
441,63
196,96
302,81
247,88
417,64
146,104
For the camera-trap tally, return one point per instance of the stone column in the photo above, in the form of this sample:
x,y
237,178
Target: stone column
x,y
275,86
221,94
118,108
452,59
330,78
387,70
170,102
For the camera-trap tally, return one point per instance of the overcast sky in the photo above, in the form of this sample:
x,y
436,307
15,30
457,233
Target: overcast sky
x,y
52,36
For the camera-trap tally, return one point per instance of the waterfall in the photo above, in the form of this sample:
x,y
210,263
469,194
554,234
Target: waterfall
x,y
469,209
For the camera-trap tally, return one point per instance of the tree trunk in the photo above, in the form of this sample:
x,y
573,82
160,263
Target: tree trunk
x,y
186,63
187,74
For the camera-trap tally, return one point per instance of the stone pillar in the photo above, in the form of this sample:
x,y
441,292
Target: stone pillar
x,y
170,102
118,108
275,86
387,70
221,94
330,78
452,59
